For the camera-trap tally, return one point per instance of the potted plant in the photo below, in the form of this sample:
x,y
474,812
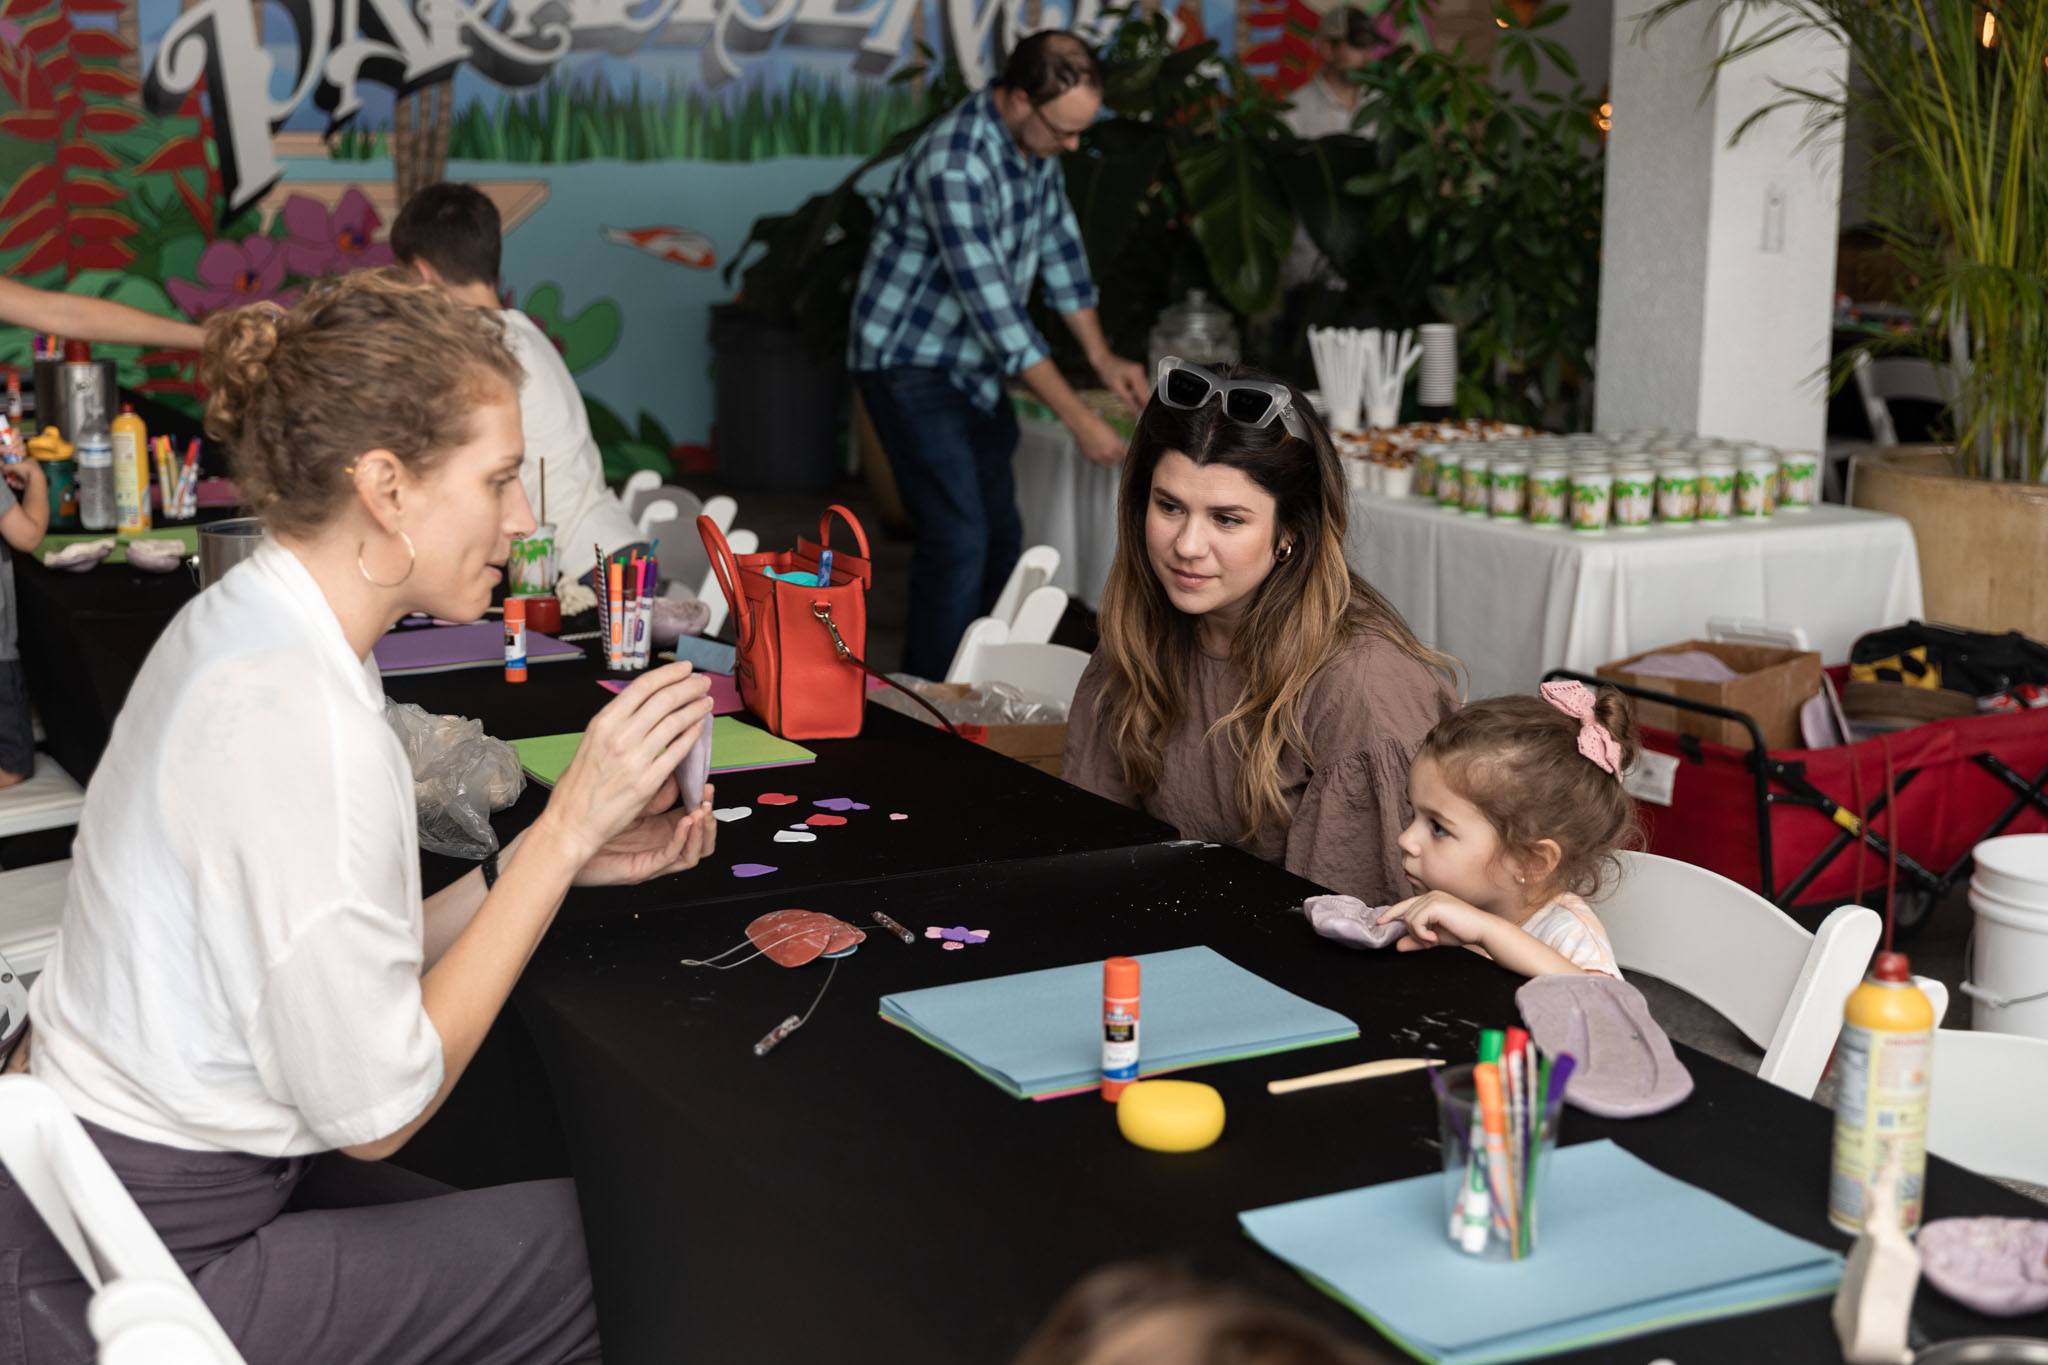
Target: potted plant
x,y
1954,94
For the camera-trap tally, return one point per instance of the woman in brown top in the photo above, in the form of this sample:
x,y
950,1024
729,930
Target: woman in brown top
x,y
1250,688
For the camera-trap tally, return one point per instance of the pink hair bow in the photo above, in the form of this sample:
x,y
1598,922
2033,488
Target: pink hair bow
x,y
1596,742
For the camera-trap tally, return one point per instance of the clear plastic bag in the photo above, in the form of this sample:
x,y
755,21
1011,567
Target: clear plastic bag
x,y
991,703
459,776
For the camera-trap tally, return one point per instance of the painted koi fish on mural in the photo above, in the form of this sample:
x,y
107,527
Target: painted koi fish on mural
x,y
677,246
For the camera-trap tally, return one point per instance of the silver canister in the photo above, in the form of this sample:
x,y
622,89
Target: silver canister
x,y
224,544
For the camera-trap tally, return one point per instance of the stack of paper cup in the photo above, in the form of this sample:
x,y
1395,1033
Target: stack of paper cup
x,y
1438,387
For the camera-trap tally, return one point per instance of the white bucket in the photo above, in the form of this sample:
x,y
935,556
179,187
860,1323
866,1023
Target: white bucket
x,y
2008,982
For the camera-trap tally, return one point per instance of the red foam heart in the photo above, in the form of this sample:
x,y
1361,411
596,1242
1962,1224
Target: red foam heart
x,y
791,938
776,799
826,820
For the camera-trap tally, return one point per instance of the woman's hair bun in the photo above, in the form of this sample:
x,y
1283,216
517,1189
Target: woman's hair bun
x,y
236,363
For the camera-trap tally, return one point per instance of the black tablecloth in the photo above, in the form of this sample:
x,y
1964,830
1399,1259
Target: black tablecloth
x,y
858,1196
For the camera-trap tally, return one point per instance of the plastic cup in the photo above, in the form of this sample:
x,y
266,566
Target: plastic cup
x,y
1635,496
1550,495
531,570
1678,493
1476,480
1717,492
1508,482
1756,487
1592,493
1491,1210
1798,481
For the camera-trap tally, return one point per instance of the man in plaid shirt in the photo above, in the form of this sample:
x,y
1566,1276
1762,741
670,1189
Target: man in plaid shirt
x,y
977,213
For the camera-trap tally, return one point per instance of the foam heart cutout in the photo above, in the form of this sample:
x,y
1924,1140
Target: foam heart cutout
x,y
725,815
791,938
751,869
824,821
839,803
776,799
795,836
897,815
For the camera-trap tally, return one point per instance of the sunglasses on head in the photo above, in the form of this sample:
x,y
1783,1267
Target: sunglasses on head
x,y
1248,402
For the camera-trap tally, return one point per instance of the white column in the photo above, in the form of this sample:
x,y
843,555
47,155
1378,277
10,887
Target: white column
x,y
1717,277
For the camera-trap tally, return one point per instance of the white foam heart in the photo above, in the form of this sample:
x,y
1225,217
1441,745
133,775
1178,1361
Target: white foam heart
x,y
795,836
725,815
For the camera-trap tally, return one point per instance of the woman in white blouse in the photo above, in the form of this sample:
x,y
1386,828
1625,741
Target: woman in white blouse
x,y
246,975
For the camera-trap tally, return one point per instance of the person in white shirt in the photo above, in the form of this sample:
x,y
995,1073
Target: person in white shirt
x,y
1326,104
249,1003
452,236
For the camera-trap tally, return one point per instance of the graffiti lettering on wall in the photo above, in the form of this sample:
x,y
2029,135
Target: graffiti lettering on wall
x,y
406,45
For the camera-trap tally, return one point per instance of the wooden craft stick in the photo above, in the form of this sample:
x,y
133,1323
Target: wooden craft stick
x,y
1364,1071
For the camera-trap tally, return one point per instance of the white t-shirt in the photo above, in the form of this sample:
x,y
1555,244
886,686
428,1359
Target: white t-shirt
x,y
1569,926
238,966
585,512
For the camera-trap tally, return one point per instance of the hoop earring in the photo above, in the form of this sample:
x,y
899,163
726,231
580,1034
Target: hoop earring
x,y
412,558
1284,553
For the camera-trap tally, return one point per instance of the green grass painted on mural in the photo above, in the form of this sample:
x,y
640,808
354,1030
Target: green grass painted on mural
x,y
588,122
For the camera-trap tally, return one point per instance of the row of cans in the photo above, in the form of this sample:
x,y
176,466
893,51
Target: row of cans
x,y
1595,491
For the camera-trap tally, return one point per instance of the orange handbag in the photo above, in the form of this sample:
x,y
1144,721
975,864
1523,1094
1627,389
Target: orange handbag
x,y
800,647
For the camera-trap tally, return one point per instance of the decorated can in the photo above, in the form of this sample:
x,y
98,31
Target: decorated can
x,y
1425,470
1476,478
1798,481
1450,482
532,566
1756,487
1509,480
1635,496
1550,495
1678,492
1592,497
1717,491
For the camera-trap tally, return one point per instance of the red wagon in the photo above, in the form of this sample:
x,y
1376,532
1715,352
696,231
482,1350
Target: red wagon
x,y
1816,827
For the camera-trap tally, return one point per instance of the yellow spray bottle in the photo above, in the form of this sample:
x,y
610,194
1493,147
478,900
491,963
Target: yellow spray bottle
x,y
1883,1062
131,471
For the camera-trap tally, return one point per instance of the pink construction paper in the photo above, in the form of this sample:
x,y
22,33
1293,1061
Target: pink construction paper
x,y
725,692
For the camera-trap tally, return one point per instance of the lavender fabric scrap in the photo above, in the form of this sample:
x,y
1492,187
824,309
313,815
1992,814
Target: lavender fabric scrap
x,y
1625,1066
1350,920
1998,1266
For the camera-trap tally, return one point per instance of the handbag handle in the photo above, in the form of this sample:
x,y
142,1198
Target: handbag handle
x,y
845,514
727,570
823,611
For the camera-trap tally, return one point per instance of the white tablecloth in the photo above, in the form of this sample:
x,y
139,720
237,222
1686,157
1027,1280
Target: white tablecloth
x,y
1513,602
1068,504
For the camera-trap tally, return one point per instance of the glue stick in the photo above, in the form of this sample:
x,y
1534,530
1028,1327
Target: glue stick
x,y
515,639
1119,1025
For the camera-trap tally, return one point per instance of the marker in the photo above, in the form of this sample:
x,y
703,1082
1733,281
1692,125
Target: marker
x,y
1486,1081
824,568
617,618
1475,1212
515,639
645,627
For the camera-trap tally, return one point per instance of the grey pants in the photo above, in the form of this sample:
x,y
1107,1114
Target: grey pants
x,y
324,1261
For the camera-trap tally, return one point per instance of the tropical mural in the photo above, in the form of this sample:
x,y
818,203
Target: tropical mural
x,y
188,155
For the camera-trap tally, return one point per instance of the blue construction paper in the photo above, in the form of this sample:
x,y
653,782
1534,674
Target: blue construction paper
x,y
1623,1249
1040,1033
713,656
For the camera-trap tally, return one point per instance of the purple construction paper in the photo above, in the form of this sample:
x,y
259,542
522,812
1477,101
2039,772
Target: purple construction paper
x,y
440,649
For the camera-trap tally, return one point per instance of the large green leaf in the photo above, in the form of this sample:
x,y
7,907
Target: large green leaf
x,y
1314,175
1109,180
1241,218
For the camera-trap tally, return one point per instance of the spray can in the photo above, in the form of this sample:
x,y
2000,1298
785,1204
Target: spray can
x,y
96,479
1119,1025
131,472
515,639
1884,1058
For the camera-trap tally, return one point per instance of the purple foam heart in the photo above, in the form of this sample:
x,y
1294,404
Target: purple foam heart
x,y
841,804
751,869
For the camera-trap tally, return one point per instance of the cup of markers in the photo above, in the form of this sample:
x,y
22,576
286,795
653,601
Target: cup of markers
x,y
1499,1118
628,584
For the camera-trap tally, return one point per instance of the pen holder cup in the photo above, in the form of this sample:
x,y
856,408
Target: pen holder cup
x,y
1495,1160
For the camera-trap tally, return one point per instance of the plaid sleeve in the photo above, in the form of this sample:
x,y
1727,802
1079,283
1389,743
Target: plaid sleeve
x,y
1063,268
959,211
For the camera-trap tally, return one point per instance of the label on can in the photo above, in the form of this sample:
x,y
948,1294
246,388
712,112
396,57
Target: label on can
x,y
1119,1040
1880,1115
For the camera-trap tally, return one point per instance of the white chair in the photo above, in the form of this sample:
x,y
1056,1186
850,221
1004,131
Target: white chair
x,y
1987,1104
143,1310
1034,569
1880,382
657,517
987,654
1781,986
639,485
49,799
1038,616
684,506
31,903
743,543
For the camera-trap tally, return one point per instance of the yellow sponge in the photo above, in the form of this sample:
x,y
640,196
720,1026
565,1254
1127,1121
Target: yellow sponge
x,y
1170,1116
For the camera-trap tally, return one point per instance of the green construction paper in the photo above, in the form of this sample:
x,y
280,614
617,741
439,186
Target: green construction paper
x,y
186,535
735,747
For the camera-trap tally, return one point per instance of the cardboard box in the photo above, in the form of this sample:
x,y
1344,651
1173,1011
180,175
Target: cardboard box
x,y
1040,745
1774,684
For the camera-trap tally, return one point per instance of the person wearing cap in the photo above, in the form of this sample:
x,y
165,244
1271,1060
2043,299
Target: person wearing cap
x,y
976,216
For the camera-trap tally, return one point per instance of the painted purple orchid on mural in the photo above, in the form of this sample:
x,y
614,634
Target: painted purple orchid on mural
x,y
333,241
234,273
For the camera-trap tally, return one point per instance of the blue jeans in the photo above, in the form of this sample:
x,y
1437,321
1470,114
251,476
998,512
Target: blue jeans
x,y
952,463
